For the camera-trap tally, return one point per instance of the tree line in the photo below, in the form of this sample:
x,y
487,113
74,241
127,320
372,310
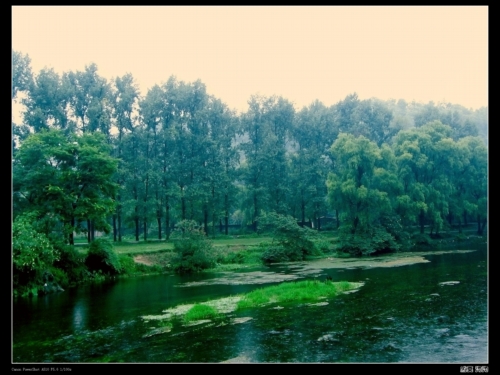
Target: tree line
x,y
92,154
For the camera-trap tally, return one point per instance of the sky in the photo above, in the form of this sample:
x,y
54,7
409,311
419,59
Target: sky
x,y
303,54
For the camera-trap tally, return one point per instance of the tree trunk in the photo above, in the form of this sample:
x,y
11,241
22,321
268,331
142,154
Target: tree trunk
x,y
254,213
167,220
355,225
136,221
303,212
88,231
158,219
119,224
92,230
145,222
114,228
480,226
71,237
421,219
465,218
337,217
213,226
226,217
183,206
205,221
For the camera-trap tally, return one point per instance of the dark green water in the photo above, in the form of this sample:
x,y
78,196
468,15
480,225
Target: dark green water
x,y
401,314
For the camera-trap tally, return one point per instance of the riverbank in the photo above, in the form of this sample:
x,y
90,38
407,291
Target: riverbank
x,y
235,253
230,253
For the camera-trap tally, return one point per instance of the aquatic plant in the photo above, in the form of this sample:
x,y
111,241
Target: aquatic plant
x,y
298,291
200,311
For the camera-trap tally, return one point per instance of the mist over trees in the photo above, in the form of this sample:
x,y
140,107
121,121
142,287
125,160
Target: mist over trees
x,y
373,169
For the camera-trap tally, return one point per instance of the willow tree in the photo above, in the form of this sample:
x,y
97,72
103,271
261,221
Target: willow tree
x,y
359,186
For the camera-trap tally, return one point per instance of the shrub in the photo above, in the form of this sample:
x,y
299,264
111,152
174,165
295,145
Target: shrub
x,y
72,263
422,239
101,257
290,241
371,241
194,251
275,254
233,258
32,252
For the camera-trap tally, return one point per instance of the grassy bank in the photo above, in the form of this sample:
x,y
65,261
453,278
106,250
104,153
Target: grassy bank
x,y
235,252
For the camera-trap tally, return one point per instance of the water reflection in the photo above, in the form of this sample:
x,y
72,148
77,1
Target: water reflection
x,y
80,315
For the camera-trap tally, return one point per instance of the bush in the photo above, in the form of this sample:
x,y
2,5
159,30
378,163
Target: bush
x,y
72,263
60,277
32,253
233,258
290,241
422,239
275,254
194,251
371,241
32,250
101,257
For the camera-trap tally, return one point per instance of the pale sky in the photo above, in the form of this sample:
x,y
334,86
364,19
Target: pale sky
x,y
299,53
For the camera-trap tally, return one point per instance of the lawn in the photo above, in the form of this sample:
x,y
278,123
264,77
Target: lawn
x,y
152,246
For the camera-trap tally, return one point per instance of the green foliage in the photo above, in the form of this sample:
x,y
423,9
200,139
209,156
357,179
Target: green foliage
x,y
290,241
367,241
32,252
66,179
60,276
200,311
127,264
22,77
72,263
102,257
233,258
276,254
300,291
422,239
194,251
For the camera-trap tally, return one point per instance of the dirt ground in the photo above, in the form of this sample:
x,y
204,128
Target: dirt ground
x,y
158,259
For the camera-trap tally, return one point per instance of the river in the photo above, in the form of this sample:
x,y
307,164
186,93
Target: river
x,y
419,307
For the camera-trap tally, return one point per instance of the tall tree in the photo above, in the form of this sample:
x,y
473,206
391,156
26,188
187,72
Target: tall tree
x,y
46,102
313,136
64,179
89,99
124,96
355,186
22,75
